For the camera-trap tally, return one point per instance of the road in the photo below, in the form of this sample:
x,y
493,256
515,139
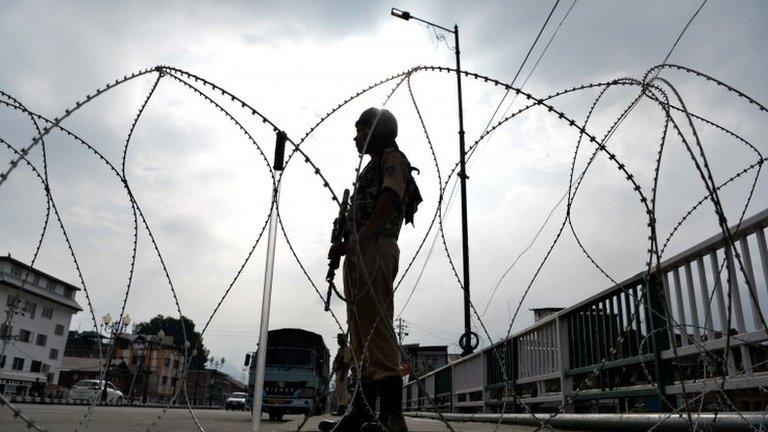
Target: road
x,y
64,418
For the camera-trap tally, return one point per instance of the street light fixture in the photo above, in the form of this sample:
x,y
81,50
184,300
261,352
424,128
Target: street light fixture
x,y
400,14
114,328
469,340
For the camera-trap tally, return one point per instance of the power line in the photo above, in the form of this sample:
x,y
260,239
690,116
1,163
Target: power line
x,y
528,77
519,69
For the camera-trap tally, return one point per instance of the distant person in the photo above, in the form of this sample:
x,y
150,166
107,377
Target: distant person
x,y
385,196
37,389
341,369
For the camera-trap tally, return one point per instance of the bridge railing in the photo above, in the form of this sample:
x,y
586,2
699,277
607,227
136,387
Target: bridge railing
x,y
642,339
714,290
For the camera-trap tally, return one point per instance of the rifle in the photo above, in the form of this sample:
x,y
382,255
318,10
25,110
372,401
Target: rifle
x,y
337,237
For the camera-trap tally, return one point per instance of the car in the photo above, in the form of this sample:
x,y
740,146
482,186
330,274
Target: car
x,y
236,400
87,390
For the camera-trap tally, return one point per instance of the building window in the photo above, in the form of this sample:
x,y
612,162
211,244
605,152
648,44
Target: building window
x,y
51,285
47,313
2,361
42,339
49,378
24,335
18,364
54,355
5,330
167,362
59,330
69,292
165,380
13,301
16,270
35,366
30,308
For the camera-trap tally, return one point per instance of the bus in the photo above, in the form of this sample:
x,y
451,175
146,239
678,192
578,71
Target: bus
x,y
296,375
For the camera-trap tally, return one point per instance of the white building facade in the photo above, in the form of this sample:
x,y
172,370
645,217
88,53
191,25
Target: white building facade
x,y
36,310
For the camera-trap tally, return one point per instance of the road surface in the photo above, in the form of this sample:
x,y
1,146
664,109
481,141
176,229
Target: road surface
x,y
64,418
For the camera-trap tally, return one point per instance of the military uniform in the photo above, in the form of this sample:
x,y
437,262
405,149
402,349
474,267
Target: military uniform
x,y
341,367
372,338
370,268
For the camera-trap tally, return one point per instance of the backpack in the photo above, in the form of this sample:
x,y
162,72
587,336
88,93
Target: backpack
x,y
411,196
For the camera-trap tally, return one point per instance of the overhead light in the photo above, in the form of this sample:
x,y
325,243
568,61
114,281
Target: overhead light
x,y
401,14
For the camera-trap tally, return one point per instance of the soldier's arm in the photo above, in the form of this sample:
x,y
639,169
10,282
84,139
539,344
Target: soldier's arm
x,y
386,204
393,187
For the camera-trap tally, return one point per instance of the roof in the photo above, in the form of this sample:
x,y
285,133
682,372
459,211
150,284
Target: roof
x,y
28,267
85,364
291,337
419,347
33,289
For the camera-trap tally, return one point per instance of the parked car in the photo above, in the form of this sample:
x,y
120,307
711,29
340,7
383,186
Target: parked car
x,y
236,401
87,390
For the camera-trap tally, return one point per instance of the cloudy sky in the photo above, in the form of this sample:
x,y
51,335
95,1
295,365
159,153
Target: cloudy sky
x,y
205,191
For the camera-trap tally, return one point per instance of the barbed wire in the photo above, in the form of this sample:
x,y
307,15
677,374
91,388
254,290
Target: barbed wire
x,y
649,90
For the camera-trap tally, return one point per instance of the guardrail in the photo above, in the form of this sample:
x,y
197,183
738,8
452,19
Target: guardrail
x,y
641,344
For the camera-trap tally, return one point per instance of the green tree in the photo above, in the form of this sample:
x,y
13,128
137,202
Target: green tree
x,y
172,326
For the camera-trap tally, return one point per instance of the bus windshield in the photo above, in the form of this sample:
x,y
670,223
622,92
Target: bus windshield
x,y
288,356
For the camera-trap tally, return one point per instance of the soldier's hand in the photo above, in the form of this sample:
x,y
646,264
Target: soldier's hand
x,y
338,250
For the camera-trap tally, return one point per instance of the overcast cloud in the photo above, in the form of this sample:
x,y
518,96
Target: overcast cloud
x,y
205,189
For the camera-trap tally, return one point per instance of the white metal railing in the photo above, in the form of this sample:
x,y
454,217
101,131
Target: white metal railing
x,y
696,285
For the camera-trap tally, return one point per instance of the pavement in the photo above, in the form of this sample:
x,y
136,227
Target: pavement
x,y
66,418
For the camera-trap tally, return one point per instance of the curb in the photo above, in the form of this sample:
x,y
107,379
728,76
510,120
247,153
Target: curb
x,y
64,401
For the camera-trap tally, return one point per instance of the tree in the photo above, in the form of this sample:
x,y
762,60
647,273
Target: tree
x,y
172,326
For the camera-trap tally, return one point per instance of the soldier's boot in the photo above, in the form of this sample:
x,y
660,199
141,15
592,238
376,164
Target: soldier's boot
x,y
390,407
340,410
360,413
391,397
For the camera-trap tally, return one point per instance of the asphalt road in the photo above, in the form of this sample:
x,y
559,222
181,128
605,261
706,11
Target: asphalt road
x,y
64,418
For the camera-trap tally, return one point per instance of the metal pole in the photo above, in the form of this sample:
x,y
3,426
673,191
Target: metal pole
x,y
466,340
261,355
147,365
109,363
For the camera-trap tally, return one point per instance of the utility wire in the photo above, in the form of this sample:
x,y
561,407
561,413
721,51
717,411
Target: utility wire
x,y
533,69
519,69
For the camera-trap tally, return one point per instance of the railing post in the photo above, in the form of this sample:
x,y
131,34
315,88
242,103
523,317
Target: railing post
x,y
564,362
661,333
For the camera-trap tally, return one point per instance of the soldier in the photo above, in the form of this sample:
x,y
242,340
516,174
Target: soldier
x,y
341,369
385,195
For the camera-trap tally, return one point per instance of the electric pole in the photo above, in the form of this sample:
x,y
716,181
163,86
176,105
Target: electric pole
x,y
402,330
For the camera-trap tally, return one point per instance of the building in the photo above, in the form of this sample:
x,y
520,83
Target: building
x,y
543,312
35,314
74,369
426,358
155,362
235,386
210,387
146,368
85,344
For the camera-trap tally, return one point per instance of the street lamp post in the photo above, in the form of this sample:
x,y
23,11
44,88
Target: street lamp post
x,y
469,340
218,389
115,328
148,362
